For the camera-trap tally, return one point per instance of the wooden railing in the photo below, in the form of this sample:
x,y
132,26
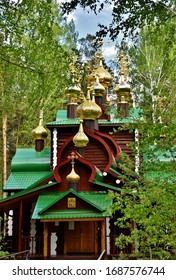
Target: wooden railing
x,y
101,255
34,244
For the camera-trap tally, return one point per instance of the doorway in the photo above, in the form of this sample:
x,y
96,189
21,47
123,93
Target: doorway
x,y
81,237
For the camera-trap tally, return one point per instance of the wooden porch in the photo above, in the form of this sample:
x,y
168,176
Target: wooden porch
x,y
32,248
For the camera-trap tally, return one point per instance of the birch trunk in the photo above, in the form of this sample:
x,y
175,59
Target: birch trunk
x,y
4,141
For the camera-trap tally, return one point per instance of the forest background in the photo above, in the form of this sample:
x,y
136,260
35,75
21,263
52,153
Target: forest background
x,y
37,46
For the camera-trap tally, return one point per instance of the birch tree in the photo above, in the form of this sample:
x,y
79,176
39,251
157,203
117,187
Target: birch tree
x,y
147,204
36,48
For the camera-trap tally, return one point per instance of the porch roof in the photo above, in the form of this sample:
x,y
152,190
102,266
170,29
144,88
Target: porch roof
x,y
97,201
71,214
22,180
28,169
27,159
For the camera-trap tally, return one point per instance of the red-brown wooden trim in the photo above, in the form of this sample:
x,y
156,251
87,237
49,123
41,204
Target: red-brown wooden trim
x,y
75,220
108,150
63,148
20,226
117,148
79,158
104,116
56,169
92,167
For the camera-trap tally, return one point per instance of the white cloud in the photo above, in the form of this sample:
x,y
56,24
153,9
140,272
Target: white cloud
x,y
87,23
109,51
72,16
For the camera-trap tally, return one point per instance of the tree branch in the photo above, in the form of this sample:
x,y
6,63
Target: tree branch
x,y
31,69
171,10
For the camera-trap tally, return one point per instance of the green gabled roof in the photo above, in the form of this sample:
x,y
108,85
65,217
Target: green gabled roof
x,y
70,214
96,200
28,167
107,186
61,114
24,192
61,118
127,177
118,173
159,155
23,180
27,159
160,176
98,175
127,170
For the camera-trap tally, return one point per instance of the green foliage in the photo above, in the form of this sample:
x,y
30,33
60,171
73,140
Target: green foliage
x,y
2,252
36,47
148,207
149,213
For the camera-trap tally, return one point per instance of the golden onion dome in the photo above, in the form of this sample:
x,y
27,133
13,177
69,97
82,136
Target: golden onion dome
x,y
98,88
73,93
91,77
104,76
88,110
40,133
73,90
80,139
123,86
73,177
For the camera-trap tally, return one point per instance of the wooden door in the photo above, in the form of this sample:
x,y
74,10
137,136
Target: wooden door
x,y
73,237
81,237
88,237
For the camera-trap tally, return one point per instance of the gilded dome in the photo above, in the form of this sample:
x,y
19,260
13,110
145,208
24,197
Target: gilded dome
x,y
73,90
73,177
104,76
89,110
80,139
123,86
98,88
40,133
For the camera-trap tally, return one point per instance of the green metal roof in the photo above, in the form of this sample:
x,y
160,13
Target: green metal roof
x,y
107,186
97,200
27,191
157,155
22,180
61,118
27,159
160,176
70,214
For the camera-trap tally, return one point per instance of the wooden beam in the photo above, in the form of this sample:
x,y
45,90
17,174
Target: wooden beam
x,y
70,220
65,237
45,241
96,237
103,235
20,226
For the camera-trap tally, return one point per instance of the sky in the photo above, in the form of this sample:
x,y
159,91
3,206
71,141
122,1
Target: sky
x,y
87,23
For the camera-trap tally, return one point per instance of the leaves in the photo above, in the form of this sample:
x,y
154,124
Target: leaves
x,y
127,16
147,212
35,51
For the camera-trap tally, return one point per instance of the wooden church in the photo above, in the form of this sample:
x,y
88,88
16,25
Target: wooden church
x,y
57,197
